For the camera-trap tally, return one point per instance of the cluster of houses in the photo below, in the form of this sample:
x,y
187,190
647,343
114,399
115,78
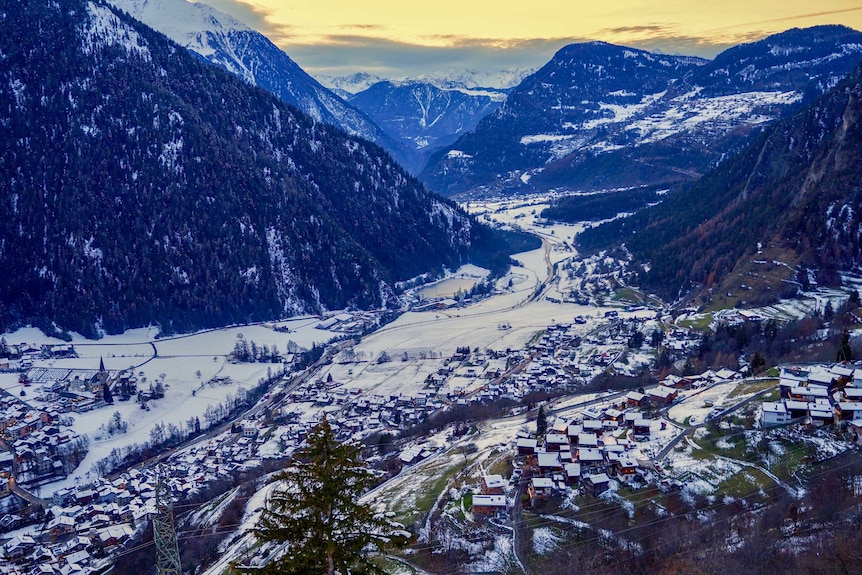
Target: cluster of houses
x,y
91,521
818,395
80,526
590,451
37,448
18,357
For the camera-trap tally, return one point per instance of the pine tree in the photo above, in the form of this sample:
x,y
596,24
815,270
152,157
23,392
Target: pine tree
x,y
845,352
541,422
317,513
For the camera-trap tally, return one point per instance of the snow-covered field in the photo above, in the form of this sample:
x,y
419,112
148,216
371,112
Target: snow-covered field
x,y
185,364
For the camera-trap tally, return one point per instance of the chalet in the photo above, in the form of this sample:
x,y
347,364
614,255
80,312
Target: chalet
x,y
821,412
527,446
774,413
855,429
587,440
593,426
612,415
548,462
808,393
641,427
591,460
820,376
493,485
629,418
792,377
597,483
556,442
626,469
572,473
61,526
663,395
848,410
635,399
796,408
488,504
540,488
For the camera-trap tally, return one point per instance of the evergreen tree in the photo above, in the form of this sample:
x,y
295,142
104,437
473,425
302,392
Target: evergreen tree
x,y
317,514
106,394
757,363
845,352
541,422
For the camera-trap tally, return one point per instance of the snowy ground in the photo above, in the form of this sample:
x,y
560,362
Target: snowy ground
x,y
188,363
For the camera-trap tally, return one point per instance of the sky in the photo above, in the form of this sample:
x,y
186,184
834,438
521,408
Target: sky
x,y
397,39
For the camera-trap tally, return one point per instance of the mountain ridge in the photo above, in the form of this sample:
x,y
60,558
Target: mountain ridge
x,y
146,186
591,119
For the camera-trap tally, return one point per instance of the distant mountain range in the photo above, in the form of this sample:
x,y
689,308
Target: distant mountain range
x,y
600,116
221,39
424,116
784,212
500,80
142,185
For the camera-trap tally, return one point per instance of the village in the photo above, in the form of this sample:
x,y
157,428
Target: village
x,y
225,406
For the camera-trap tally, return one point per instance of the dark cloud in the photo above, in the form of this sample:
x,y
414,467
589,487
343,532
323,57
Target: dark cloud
x,y
649,28
361,27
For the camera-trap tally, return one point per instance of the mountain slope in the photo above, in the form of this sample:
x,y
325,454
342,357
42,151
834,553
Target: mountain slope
x,y
423,116
223,40
795,193
600,116
142,185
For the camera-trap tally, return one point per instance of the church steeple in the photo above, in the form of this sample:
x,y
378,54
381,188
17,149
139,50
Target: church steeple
x,y
101,365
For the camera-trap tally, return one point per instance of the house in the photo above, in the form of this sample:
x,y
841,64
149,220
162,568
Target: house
x,y
572,473
663,395
540,488
641,427
587,440
591,460
549,461
597,483
493,485
60,526
626,469
488,504
851,410
774,413
527,446
593,426
556,442
635,399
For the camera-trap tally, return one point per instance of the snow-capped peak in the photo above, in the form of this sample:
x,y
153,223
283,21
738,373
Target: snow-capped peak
x,y
185,23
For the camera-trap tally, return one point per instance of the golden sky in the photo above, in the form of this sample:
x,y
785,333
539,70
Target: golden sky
x,y
343,36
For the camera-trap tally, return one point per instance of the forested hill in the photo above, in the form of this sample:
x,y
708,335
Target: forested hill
x,y
794,194
141,185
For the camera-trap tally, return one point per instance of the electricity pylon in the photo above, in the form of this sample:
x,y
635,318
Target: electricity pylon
x,y
164,532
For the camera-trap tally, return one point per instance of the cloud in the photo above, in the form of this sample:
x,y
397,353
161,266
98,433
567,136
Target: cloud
x,y
342,54
796,17
255,17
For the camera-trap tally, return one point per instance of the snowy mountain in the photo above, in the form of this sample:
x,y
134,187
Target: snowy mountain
x,y
600,116
227,42
424,116
503,80
494,81
791,196
143,186
352,84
